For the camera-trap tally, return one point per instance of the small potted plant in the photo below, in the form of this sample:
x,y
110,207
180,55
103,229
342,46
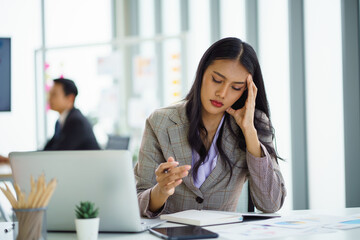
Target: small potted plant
x,y
87,222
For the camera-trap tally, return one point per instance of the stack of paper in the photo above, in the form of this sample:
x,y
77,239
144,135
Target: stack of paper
x,y
202,217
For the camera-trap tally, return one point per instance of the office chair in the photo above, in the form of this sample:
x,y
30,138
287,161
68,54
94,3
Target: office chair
x,y
117,142
251,206
245,203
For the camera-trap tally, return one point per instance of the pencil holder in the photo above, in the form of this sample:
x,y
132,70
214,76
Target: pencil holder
x,y
32,223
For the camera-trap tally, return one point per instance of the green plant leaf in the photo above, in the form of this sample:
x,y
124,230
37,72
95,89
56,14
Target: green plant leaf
x,y
91,207
86,210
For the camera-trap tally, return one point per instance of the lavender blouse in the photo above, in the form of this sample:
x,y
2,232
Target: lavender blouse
x,y
210,161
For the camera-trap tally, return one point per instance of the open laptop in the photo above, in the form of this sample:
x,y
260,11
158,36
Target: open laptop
x,y
103,177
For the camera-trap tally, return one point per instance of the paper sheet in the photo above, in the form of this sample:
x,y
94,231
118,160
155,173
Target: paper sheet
x,y
250,231
299,221
293,225
346,223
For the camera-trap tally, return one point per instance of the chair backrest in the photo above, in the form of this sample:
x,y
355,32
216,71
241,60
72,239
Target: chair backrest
x,y
251,206
245,203
117,142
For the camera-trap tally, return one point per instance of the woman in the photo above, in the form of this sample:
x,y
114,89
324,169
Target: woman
x,y
198,154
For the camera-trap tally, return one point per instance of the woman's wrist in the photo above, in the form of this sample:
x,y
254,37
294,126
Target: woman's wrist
x,y
249,131
252,142
157,199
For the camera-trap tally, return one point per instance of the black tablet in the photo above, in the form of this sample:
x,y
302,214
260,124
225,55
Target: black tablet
x,y
186,232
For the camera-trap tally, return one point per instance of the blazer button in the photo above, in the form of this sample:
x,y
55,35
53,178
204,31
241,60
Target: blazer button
x,y
199,200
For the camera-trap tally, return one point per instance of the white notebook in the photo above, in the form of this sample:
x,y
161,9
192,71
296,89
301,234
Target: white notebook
x,y
203,217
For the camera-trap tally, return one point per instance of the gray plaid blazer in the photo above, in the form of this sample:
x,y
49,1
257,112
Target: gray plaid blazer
x,y
165,136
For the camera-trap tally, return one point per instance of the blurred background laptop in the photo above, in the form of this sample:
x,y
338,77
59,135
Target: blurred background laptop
x,y
103,177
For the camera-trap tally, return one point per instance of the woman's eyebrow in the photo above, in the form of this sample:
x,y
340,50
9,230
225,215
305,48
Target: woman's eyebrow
x,y
219,74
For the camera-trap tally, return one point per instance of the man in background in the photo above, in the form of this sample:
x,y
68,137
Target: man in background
x,y
72,130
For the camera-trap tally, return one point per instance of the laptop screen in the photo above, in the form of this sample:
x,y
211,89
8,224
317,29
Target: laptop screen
x,y
103,177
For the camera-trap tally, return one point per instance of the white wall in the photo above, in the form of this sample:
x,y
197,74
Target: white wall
x,y
324,101
199,35
67,23
20,20
274,60
232,19
70,22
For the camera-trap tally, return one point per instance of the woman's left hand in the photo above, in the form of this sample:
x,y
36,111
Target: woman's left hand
x,y
244,116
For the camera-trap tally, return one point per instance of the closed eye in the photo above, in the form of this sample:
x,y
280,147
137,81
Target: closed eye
x,y
236,89
216,81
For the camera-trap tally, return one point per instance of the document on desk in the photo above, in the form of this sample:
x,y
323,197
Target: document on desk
x,y
250,231
299,221
346,223
276,227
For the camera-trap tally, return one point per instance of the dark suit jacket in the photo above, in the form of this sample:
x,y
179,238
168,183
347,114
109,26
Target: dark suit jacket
x,y
76,134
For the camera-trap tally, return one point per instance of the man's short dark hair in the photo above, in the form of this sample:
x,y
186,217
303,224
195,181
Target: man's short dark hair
x,y
68,86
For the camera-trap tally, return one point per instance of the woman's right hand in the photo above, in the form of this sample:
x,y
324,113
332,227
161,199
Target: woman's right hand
x,y
169,176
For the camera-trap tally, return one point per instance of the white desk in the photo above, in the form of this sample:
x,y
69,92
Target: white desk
x,y
338,235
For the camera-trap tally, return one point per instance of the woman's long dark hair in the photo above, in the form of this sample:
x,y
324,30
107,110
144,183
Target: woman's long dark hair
x,y
237,50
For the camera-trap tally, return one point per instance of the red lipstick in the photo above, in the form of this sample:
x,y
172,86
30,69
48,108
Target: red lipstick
x,y
216,103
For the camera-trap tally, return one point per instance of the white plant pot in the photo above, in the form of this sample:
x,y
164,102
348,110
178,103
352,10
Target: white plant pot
x,y
87,229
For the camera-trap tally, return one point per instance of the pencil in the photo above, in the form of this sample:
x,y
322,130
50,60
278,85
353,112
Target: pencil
x,y
11,198
39,196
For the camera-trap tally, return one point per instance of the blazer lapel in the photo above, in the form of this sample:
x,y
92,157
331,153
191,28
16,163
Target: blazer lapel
x,y
228,143
180,145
